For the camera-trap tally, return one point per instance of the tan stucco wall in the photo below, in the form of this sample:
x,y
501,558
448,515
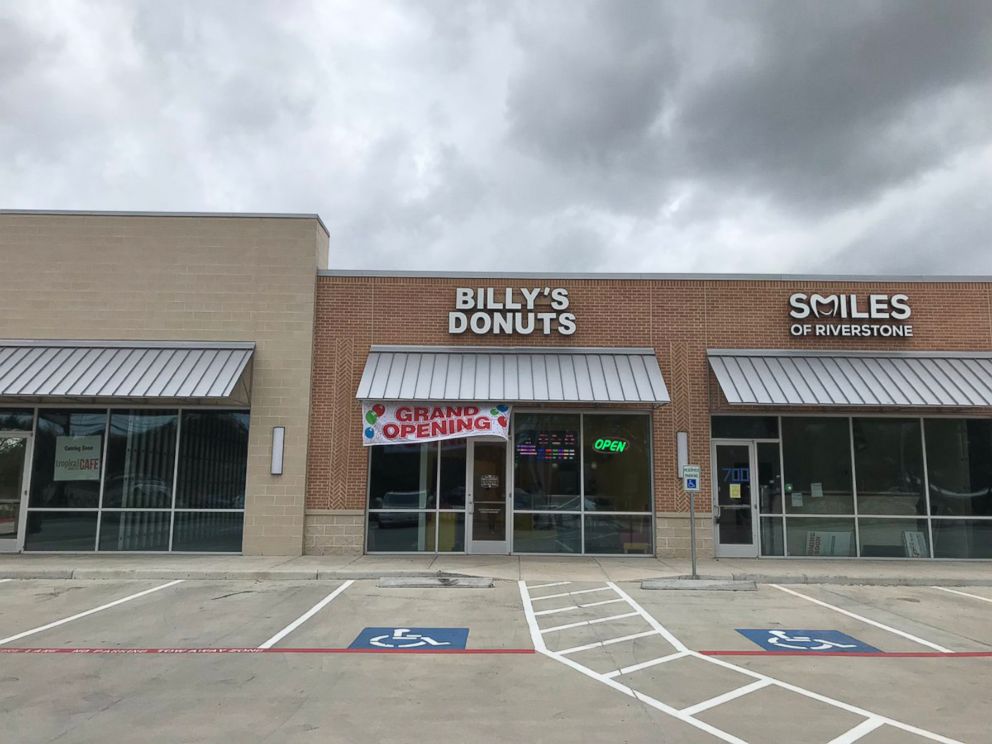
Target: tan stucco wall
x,y
158,277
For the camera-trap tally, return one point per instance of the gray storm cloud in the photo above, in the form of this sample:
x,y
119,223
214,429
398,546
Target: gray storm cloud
x,y
561,135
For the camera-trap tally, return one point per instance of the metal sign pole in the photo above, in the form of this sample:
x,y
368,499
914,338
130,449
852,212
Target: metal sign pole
x,y
692,531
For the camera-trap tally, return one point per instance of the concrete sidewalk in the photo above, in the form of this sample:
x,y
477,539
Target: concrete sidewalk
x,y
529,568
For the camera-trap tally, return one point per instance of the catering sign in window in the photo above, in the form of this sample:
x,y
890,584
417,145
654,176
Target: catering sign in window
x,y
402,423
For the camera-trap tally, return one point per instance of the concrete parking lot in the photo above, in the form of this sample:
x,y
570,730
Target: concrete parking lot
x,y
545,660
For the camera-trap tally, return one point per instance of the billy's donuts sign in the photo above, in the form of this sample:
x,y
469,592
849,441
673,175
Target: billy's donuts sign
x,y
403,423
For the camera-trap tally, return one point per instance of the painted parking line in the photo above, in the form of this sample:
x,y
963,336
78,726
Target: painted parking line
x,y
963,594
608,642
209,650
570,608
571,594
306,615
862,618
859,654
77,616
871,720
597,621
546,586
4,581
646,664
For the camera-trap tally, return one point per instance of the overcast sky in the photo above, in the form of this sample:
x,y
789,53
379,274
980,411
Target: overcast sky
x,y
840,137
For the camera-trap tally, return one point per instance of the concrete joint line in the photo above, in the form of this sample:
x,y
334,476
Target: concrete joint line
x,y
608,642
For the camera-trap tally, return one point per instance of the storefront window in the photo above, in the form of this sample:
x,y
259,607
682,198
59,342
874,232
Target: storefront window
x,y
962,538
118,495
893,538
819,536
213,459
68,460
618,533
959,467
817,454
888,461
617,463
745,427
596,467
405,513
141,458
16,419
772,536
546,462
547,533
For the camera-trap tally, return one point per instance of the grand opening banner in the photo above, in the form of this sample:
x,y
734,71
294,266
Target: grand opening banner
x,y
403,423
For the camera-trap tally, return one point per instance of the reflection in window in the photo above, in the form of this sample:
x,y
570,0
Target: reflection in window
x,y
68,458
213,460
135,530
141,458
962,538
817,454
959,466
617,463
618,533
61,530
888,461
547,533
403,476
546,461
452,487
893,538
16,419
744,427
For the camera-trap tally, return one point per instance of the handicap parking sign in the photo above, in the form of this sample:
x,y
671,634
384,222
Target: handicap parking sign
x,y
692,484
820,641
440,639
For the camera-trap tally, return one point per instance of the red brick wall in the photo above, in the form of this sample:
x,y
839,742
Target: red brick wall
x,y
679,318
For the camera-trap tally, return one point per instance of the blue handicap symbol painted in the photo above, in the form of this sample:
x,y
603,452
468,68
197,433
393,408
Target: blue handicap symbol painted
x,y
413,638
821,641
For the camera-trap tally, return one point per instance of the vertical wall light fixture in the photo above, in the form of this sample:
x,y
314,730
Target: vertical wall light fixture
x,y
682,451
278,445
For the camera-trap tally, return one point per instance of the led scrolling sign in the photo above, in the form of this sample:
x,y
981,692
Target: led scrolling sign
x,y
850,315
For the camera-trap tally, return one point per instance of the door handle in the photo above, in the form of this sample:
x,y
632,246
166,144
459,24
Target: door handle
x,y
716,512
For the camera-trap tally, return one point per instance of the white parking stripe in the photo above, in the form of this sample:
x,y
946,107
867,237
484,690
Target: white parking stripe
x,y
101,608
577,607
679,646
610,642
589,622
889,628
646,664
963,594
306,615
545,586
571,594
852,735
4,581
726,697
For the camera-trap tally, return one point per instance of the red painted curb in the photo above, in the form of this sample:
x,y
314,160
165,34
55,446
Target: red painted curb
x,y
251,650
871,654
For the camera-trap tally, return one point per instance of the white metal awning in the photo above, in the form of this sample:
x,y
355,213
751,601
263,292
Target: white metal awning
x,y
513,375
855,378
158,370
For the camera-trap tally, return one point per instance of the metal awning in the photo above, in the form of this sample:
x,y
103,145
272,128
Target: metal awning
x,y
157,370
532,375
869,378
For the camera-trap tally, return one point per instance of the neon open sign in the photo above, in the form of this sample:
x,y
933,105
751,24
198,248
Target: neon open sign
x,y
610,445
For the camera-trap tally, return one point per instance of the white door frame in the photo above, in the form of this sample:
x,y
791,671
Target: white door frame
x,y
16,544
735,551
487,547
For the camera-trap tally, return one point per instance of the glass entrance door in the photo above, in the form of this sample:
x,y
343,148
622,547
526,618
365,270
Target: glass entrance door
x,y
14,451
734,509
486,497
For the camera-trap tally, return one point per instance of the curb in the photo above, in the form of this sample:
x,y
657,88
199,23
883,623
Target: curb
x,y
295,574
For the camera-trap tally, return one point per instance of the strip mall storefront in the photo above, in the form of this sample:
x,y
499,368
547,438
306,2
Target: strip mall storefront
x,y
829,418
203,383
